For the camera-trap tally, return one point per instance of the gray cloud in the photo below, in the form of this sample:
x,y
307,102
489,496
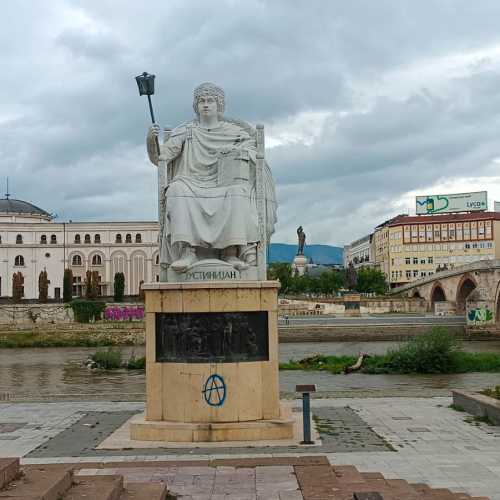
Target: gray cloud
x,y
72,126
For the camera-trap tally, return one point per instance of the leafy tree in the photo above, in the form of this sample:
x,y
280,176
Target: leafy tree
x,y
91,284
43,287
17,286
119,287
281,271
371,280
68,285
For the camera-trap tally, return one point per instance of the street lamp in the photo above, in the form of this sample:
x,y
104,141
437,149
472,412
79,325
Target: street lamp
x,y
146,85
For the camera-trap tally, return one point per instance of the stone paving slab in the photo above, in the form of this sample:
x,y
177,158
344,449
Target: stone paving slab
x,y
452,453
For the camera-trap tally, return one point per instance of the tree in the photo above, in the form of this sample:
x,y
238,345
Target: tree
x,y
371,280
351,278
91,284
68,285
17,286
281,271
142,295
119,287
43,287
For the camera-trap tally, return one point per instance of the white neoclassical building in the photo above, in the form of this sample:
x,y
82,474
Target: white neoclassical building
x,y
30,241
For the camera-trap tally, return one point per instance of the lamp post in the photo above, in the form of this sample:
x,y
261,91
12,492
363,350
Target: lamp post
x,y
146,85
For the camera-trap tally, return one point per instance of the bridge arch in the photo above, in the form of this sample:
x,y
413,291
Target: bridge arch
x,y
437,294
466,285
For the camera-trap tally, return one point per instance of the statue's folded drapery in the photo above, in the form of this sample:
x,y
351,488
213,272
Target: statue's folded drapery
x,y
198,210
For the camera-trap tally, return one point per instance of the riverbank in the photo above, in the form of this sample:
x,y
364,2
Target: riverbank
x,y
125,333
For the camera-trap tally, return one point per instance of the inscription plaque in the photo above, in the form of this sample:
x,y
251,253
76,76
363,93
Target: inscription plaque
x,y
212,337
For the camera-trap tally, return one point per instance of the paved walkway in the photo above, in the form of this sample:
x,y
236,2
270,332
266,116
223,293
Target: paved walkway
x,y
423,440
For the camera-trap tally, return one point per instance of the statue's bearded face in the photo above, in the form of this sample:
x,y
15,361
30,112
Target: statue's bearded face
x,y
207,106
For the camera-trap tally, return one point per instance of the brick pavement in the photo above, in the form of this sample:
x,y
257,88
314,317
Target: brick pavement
x,y
434,444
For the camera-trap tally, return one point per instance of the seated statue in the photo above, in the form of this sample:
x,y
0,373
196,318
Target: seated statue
x,y
211,204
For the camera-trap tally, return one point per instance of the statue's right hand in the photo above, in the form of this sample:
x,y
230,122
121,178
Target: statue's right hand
x,y
154,130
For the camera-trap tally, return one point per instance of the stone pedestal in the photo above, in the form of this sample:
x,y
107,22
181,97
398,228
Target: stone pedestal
x,y
212,363
352,303
299,265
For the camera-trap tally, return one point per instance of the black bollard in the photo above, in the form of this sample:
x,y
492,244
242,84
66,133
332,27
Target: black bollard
x,y
306,410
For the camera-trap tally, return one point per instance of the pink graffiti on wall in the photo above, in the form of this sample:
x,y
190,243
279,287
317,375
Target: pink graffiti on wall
x,y
125,313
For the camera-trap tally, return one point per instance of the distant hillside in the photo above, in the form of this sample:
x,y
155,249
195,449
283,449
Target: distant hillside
x,y
320,254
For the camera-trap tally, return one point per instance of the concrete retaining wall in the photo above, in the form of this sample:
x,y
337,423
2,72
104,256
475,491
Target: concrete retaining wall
x,y
478,404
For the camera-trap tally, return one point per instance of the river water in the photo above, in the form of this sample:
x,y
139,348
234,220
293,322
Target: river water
x,y
52,374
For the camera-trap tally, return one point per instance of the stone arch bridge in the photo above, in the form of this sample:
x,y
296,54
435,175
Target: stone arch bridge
x,y
472,289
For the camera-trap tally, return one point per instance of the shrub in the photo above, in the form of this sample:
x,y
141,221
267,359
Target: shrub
x,y
136,363
433,352
87,310
68,285
109,359
119,287
91,284
492,393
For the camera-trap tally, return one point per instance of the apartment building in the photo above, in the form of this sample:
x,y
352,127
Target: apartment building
x,y
360,252
407,248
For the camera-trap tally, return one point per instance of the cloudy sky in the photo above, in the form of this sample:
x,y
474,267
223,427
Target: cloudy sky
x,y
365,103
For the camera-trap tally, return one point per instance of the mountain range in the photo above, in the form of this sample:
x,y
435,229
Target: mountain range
x,y
320,254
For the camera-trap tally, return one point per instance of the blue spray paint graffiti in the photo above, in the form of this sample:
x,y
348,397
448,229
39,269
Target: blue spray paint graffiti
x,y
214,391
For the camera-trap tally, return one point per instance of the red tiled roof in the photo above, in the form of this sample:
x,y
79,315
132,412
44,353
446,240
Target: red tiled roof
x,y
427,219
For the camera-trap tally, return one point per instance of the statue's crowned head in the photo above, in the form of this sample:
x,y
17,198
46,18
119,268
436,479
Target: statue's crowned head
x,y
212,90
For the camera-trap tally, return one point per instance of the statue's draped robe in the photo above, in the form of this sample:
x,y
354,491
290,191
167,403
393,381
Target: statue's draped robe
x,y
197,210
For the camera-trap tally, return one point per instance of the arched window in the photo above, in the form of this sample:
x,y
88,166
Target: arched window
x,y
138,238
53,239
43,239
19,260
96,260
19,239
87,238
78,240
128,238
77,260
97,238
118,238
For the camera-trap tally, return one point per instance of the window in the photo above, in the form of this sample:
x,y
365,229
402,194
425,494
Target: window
x,y
97,238
128,238
19,239
415,260
423,273
467,245
430,260
408,275
415,273
474,245
138,238
157,260
96,260
19,260
43,239
422,261
77,286
53,239
77,260
87,238
78,240
407,260
118,238
157,278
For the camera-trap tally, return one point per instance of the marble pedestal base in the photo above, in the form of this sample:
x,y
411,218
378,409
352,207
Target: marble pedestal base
x,y
189,432
177,375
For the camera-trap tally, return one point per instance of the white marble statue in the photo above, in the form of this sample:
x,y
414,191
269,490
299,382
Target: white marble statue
x,y
217,199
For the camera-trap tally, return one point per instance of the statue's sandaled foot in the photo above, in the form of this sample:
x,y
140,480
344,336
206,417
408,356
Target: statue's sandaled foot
x,y
236,263
188,258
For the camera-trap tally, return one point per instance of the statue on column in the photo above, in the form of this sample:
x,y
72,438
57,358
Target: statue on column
x,y
302,240
218,201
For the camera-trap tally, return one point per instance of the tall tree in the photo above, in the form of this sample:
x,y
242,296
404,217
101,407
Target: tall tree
x,y
119,287
43,287
68,285
17,286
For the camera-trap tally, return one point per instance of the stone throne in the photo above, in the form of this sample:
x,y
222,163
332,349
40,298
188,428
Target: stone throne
x,y
232,170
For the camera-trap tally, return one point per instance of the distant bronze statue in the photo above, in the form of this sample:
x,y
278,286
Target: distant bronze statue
x,y
351,277
302,240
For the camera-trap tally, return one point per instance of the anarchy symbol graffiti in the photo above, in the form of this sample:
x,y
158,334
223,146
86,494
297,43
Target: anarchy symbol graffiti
x,y
214,390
